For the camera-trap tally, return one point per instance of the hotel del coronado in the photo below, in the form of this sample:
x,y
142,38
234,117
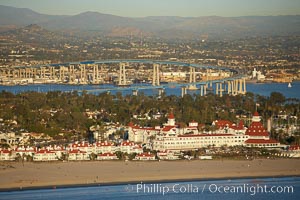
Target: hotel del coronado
x,y
172,138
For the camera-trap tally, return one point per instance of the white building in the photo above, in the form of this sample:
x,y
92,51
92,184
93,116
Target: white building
x,y
6,154
58,150
231,135
45,155
83,146
196,141
107,156
143,134
25,151
145,156
167,155
130,147
105,147
78,155
258,135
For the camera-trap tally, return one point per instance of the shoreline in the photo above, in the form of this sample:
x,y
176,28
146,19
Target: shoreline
x,y
54,187
35,176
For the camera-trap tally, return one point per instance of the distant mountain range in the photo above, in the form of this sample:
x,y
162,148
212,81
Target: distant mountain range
x,y
165,27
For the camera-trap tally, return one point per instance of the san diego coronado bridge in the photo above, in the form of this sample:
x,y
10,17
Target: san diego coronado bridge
x,y
90,72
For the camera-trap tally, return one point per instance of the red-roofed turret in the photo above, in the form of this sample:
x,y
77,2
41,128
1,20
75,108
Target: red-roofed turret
x,y
256,128
171,115
171,119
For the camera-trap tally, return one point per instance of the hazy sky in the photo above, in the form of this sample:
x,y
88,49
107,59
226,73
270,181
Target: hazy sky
x,y
141,8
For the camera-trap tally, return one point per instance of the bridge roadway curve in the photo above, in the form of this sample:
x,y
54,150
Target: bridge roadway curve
x,y
236,73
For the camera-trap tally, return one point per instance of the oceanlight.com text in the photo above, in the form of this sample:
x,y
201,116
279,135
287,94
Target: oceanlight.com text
x,y
192,188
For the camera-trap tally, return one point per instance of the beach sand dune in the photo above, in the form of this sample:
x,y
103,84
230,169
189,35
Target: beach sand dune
x,y
54,174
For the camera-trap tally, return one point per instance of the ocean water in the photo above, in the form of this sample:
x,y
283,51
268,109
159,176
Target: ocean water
x,y
229,189
264,89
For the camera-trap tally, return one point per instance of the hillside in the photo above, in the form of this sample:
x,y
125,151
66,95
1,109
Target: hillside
x,y
167,27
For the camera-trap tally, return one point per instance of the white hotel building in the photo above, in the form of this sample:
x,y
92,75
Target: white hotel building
x,y
170,137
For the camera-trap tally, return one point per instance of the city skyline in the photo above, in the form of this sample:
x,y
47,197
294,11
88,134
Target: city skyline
x,y
144,8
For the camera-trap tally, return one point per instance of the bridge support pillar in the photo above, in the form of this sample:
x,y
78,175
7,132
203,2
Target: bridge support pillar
x,y
95,73
122,74
245,89
34,72
51,72
82,74
221,89
229,87
192,75
155,78
201,90
15,73
43,72
71,74
205,89
192,79
242,86
8,73
183,91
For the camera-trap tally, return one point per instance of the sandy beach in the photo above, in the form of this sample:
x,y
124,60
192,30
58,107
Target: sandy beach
x,y
18,176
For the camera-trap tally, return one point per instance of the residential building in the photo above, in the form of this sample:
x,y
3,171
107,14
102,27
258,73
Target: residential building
x,y
107,156
78,155
145,156
6,154
45,155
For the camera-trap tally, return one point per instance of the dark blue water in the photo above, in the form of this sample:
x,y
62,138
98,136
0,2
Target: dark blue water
x,y
260,188
261,89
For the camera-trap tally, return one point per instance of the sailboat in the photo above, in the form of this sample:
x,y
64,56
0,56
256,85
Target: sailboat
x,y
289,85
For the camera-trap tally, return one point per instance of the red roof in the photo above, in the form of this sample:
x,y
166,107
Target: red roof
x,y
227,123
257,129
137,147
25,149
168,128
241,124
127,143
44,151
223,123
294,147
171,116
146,155
84,144
101,144
76,151
261,141
256,114
106,154
5,151
203,135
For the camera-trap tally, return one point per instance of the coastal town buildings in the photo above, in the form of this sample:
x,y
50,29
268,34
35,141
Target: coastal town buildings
x,y
166,141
